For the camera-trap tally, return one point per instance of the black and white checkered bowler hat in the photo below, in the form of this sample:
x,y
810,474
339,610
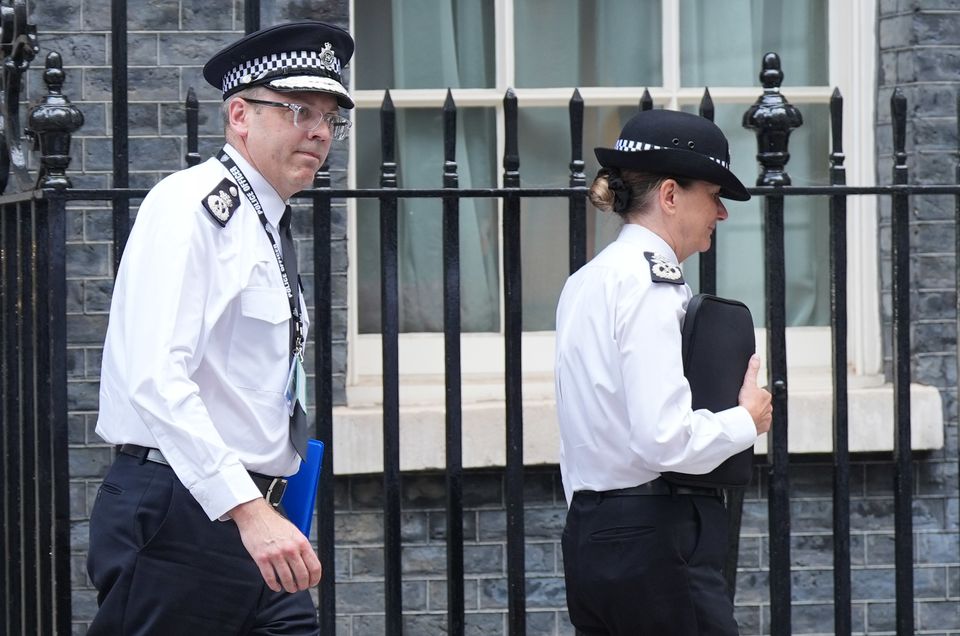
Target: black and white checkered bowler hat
x,y
675,144
296,56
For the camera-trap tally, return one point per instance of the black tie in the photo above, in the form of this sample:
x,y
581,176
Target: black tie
x,y
298,421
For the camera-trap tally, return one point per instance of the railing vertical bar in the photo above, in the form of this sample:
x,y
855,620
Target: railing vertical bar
x,y
6,483
708,259
842,617
121,152
29,404
903,477
46,481
452,372
646,100
323,378
13,556
734,496
251,16
773,118
56,287
192,107
390,328
956,251
779,490
578,204
513,328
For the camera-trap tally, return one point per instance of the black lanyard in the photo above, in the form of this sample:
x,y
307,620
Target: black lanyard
x,y
297,339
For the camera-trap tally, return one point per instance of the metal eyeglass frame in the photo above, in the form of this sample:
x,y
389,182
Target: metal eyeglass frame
x,y
339,126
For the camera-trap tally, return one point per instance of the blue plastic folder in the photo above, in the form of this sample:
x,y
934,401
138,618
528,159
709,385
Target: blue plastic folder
x,y
301,492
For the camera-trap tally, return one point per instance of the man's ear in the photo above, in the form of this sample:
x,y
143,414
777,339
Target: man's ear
x,y
238,115
667,193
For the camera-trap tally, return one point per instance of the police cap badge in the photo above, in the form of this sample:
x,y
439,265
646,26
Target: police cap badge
x,y
296,56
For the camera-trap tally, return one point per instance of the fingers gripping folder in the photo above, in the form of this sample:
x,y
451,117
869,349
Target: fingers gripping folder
x,y
717,341
301,493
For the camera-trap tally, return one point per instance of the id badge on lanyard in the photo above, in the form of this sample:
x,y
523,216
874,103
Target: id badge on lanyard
x,y
295,390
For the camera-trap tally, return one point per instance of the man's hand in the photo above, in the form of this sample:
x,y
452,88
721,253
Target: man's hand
x,y
285,557
757,401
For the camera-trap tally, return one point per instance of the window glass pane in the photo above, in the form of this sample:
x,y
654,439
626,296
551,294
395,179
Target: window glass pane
x,y
740,259
424,44
544,162
420,221
587,43
797,31
601,129
544,147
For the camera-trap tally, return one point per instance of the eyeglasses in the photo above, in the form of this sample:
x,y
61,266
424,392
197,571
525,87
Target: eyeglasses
x,y
306,118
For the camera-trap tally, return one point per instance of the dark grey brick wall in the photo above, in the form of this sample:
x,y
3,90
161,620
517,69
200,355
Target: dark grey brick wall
x,y
168,42
919,50
359,566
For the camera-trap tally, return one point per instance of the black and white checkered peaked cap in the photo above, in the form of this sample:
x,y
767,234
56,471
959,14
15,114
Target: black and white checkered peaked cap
x,y
675,144
296,56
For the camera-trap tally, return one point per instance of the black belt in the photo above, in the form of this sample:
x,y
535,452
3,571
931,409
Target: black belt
x,y
271,488
658,486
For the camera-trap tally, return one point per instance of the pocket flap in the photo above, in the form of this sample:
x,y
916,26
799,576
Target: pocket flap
x,y
265,303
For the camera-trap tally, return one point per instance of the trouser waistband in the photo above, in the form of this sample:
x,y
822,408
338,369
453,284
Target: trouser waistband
x,y
658,486
271,488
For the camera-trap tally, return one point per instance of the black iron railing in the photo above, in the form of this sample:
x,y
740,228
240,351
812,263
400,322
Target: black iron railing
x,y
34,494
34,489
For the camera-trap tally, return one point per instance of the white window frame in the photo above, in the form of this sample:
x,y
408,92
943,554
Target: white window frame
x,y
852,25
358,426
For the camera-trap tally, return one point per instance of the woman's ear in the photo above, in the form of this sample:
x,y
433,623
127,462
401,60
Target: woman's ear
x,y
667,194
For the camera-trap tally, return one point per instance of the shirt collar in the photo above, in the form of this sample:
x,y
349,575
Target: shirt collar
x,y
648,239
273,206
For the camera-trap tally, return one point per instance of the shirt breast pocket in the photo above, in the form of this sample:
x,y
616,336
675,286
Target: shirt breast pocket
x,y
260,347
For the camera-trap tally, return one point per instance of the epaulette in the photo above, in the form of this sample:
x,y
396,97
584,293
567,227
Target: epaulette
x,y
222,201
662,270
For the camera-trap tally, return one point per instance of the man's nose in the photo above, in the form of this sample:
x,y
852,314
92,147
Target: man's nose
x,y
323,130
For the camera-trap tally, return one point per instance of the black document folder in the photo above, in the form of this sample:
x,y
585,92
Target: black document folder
x,y
718,341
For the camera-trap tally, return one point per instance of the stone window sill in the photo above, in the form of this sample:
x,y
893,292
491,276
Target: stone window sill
x,y
358,429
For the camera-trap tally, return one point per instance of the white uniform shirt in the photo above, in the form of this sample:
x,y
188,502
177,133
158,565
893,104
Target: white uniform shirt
x,y
198,344
623,403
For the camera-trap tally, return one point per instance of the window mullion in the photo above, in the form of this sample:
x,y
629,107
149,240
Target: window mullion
x,y
506,51
670,11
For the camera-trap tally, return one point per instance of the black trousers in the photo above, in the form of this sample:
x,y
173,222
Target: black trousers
x,y
647,566
161,567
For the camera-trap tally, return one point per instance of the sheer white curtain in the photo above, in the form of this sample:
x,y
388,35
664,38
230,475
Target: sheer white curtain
x,y
573,44
722,44
432,44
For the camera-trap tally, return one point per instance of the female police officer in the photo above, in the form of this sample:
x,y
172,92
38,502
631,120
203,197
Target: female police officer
x,y
643,557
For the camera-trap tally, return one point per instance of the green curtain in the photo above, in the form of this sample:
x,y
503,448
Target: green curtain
x,y
450,43
436,43
797,31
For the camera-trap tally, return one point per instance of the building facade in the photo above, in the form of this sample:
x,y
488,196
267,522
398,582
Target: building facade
x,y
417,50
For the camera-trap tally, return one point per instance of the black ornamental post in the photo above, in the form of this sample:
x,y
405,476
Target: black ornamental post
x,y
773,119
51,123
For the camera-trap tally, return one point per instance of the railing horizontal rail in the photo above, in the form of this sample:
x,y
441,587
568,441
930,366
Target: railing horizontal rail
x,y
493,193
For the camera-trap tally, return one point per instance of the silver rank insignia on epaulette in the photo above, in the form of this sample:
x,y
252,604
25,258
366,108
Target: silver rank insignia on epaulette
x,y
662,270
222,201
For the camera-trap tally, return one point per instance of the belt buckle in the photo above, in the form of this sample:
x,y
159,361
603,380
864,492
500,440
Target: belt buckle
x,y
275,491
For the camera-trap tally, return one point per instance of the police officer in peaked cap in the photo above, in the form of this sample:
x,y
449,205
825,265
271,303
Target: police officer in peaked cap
x,y
203,361
643,557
